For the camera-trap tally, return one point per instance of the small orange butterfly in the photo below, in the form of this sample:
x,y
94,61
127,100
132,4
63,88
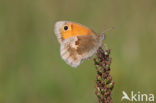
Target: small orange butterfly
x,y
77,42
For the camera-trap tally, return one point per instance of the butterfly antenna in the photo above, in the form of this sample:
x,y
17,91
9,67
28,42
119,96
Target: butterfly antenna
x,y
108,29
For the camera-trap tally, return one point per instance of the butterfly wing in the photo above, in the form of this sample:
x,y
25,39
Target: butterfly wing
x,y
76,49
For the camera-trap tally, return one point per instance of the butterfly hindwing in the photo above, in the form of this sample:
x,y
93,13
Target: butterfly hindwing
x,y
76,49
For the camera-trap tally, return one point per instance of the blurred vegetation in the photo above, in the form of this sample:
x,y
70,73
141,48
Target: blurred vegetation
x,y
31,70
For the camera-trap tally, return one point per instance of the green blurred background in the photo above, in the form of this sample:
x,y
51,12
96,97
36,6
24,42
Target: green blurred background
x,y
32,71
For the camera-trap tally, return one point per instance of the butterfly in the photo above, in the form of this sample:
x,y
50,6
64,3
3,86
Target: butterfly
x,y
77,42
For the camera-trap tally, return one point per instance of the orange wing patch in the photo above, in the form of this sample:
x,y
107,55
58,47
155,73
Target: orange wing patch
x,y
74,30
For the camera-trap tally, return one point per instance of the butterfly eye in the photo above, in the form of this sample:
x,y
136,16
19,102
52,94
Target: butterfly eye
x,y
65,27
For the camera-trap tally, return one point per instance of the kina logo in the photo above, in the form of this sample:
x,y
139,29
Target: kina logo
x,y
137,97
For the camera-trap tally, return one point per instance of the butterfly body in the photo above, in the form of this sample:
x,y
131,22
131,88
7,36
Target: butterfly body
x,y
77,42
